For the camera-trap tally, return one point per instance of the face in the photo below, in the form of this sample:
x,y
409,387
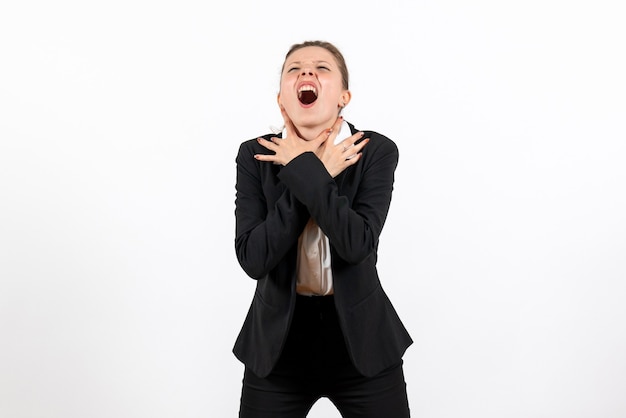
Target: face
x,y
311,88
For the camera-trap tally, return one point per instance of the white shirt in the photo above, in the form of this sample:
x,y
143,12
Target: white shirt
x,y
314,273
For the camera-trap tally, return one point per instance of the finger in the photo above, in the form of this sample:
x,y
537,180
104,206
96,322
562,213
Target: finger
x,y
289,126
337,123
358,147
348,143
356,137
355,150
352,159
270,145
265,157
323,136
335,129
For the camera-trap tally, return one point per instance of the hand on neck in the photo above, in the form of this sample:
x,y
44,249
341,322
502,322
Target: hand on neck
x,y
310,132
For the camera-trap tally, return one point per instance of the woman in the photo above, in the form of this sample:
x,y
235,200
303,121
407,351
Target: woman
x,y
310,206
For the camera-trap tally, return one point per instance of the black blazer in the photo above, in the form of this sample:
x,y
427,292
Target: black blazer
x,y
273,204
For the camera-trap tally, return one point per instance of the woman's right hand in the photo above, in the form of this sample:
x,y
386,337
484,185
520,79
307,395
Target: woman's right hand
x,y
286,149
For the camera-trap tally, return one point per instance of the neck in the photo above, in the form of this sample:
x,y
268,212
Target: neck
x,y
310,132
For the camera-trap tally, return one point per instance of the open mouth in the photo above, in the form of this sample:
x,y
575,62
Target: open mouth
x,y
307,94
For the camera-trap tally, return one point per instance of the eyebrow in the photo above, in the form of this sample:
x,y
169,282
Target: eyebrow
x,y
314,62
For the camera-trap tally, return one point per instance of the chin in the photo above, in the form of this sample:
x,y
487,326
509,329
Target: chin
x,y
310,119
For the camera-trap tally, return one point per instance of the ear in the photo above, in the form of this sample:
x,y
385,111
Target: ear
x,y
345,98
280,104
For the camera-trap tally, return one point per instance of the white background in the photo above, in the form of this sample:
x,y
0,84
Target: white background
x,y
120,294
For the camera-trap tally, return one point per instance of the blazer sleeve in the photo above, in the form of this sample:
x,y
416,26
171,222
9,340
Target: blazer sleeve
x,y
353,228
269,219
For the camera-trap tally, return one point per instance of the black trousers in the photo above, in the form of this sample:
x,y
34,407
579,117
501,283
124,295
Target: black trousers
x,y
315,364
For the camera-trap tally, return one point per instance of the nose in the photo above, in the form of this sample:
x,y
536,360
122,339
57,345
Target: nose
x,y
307,71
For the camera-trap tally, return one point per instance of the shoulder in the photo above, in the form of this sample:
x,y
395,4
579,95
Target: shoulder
x,y
379,144
251,146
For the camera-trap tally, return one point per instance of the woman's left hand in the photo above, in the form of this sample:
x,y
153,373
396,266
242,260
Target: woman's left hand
x,y
337,158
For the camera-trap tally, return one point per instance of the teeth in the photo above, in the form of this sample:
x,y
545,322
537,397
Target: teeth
x,y
308,87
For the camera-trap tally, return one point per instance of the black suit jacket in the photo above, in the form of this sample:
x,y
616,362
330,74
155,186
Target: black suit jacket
x,y
273,204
